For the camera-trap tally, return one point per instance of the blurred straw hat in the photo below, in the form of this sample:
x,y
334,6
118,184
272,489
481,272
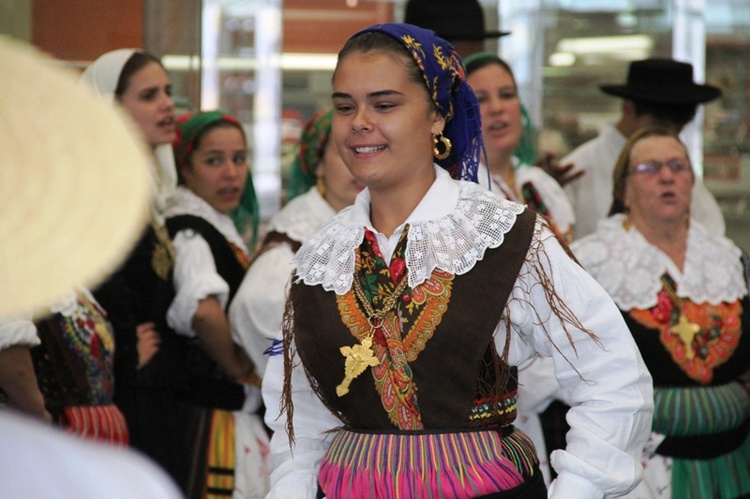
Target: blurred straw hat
x,y
74,182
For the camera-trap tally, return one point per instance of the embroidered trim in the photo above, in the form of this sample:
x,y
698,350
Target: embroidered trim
x,y
629,268
453,243
714,343
490,408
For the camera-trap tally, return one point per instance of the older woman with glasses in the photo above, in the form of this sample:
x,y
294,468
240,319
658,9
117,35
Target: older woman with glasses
x,y
684,295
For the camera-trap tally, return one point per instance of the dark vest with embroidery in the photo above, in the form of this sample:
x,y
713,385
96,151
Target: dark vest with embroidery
x,y
227,265
453,364
210,388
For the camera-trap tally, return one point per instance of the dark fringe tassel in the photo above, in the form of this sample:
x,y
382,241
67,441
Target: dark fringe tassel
x,y
285,404
501,367
558,307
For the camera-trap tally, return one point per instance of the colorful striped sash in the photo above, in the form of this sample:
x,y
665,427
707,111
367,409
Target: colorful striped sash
x,y
99,422
426,465
221,455
700,410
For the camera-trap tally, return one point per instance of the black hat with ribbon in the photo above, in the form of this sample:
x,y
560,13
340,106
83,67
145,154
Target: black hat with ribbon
x,y
663,81
450,19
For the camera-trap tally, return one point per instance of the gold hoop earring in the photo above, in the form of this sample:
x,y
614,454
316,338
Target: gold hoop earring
x,y
436,141
320,184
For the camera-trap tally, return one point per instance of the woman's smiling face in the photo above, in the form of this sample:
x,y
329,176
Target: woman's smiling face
x,y
383,121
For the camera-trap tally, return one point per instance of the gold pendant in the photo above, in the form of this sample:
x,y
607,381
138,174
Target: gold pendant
x,y
358,358
686,331
161,262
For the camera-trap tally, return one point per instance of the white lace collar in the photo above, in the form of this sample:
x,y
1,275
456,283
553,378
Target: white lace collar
x,y
183,201
629,267
466,220
302,216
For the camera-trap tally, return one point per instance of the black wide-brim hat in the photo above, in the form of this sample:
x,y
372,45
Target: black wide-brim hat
x,y
450,19
663,81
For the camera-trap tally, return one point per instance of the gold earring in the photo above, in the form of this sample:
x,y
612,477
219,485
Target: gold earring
x,y
320,184
436,141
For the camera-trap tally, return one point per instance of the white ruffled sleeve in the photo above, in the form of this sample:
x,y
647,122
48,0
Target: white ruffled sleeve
x,y
257,309
195,278
294,470
18,332
607,385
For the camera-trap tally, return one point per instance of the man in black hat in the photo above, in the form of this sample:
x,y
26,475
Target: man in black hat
x,y
658,92
461,22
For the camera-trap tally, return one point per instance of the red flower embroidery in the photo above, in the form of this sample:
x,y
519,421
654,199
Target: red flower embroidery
x,y
373,243
95,347
663,309
379,338
397,268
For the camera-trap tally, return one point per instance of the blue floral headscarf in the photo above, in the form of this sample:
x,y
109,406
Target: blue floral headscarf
x,y
444,76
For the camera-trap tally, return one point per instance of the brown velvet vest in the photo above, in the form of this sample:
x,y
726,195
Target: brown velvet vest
x,y
447,372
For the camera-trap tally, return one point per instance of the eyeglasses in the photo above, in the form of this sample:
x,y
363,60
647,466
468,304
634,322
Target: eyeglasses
x,y
653,167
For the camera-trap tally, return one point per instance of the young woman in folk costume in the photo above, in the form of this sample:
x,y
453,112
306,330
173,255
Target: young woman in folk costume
x,y
149,355
493,83
228,442
411,309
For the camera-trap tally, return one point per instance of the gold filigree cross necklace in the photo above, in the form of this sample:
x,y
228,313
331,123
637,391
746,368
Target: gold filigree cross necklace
x,y
360,357
684,329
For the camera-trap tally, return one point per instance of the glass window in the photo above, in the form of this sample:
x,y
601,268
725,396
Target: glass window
x,y
229,59
726,139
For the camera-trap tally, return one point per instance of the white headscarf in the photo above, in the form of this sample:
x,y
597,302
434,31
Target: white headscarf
x,y
102,76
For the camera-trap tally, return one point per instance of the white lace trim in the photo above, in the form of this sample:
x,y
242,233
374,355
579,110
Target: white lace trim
x,y
302,216
183,201
453,243
629,268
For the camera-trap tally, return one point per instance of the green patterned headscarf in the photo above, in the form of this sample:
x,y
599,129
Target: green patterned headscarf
x,y
312,145
526,150
190,128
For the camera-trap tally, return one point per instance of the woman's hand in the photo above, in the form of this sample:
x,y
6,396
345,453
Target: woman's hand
x,y
148,342
558,171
